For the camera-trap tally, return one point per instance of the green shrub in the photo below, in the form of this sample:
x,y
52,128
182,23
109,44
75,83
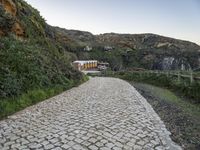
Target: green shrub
x,y
184,87
34,67
24,66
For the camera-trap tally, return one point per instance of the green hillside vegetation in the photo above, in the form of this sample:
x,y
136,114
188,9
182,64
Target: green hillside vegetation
x,y
32,67
37,57
182,87
148,51
179,115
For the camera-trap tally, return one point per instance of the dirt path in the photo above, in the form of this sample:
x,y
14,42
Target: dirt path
x,y
103,113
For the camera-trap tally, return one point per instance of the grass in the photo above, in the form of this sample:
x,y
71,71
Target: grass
x,y
9,106
12,105
180,116
183,87
33,67
169,96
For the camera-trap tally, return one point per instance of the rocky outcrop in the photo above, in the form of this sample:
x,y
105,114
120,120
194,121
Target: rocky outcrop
x,y
1,33
9,7
18,29
9,20
171,63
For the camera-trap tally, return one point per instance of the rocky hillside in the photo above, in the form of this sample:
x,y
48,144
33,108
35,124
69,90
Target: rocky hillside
x,y
30,57
156,52
147,51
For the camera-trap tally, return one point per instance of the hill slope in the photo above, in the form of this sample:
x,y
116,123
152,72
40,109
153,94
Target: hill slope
x,y
156,52
149,51
37,55
30,59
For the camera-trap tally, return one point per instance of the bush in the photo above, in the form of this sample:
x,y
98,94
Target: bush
x,y
24,66
32,67
9,106
183,87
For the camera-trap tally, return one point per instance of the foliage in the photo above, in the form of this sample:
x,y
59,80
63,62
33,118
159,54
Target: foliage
x,y
185,88
114,58
33,67
11,105
31,20
181,117
24,66
6,20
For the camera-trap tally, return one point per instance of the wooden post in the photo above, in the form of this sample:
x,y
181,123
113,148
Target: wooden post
x,y
179,76
191,77
147,73
167,74
157,72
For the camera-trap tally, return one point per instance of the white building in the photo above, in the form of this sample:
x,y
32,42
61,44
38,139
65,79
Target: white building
x,y
85,64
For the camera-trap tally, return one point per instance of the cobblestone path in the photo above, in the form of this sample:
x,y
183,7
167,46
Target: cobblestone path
x,y
103,113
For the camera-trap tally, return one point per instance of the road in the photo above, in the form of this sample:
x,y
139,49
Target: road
x,y
103,113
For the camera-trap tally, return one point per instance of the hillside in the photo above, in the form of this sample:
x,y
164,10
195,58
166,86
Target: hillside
x,y
37,55
30,58
154,51
149,51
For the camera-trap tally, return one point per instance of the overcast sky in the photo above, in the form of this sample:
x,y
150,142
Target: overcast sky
x,y
174,18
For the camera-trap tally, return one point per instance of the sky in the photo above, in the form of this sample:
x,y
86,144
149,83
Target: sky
x,y
173,18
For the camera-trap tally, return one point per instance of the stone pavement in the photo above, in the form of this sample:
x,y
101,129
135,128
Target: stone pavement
x,y
103,113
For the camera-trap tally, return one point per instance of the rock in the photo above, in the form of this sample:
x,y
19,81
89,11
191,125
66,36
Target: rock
x,y
9,7
8,19
18,30
1,33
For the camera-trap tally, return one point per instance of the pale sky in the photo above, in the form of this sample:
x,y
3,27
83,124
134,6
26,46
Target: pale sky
x,y
173,18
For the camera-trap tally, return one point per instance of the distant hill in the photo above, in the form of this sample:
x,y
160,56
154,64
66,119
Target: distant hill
x,y
149,51
154,51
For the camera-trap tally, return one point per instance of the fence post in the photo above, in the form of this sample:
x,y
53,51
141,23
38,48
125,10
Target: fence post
x,y
157,73
147,73
191,77
179,76
167,73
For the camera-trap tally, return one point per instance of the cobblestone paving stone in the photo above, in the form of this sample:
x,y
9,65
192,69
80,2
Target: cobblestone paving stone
x,y
101,114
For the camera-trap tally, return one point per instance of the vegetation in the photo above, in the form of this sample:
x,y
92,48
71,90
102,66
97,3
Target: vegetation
x,y
11,105
33,67
185,88
146,51
176,101
118,59
29,74
180,116
40,58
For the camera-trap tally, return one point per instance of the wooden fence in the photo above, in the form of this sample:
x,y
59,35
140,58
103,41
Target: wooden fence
x,y
178,74
191,76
